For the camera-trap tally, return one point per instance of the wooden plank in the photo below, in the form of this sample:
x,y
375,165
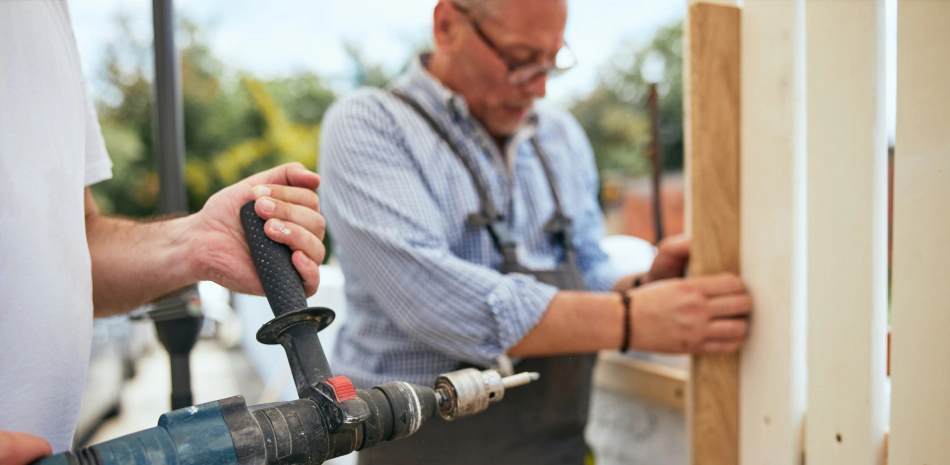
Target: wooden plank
x,y
641,379
920,312
773,369
713,153
847,233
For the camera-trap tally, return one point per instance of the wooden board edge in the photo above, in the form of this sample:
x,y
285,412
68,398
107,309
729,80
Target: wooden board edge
x,y
641,379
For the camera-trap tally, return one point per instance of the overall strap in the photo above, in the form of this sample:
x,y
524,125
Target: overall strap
x,y
559,224
487,216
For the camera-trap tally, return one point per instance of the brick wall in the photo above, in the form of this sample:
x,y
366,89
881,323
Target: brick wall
x,y
633,214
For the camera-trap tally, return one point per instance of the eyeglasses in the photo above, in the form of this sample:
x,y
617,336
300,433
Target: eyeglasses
x,y
520,74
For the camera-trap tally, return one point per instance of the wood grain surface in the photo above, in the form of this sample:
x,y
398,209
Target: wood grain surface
x,y
713,163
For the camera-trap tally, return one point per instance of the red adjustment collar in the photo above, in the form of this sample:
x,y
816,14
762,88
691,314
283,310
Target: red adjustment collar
x,y
342,388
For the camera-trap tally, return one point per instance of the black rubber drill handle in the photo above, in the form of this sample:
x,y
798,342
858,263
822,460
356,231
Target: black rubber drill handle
x,y
282,283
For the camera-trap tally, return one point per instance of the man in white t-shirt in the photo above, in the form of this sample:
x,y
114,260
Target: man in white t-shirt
x,y
61,262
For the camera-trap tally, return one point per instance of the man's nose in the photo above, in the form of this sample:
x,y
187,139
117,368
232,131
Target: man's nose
x,y
537,87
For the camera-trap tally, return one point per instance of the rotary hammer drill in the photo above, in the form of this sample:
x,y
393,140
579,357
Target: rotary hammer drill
x,y
330,419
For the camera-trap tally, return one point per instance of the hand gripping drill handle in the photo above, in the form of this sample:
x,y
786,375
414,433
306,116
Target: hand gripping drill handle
x,y
295,326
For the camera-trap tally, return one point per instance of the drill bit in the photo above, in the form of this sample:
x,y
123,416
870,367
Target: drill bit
x,y
520,379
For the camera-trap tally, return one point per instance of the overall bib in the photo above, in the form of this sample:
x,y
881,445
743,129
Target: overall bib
x,y
541,423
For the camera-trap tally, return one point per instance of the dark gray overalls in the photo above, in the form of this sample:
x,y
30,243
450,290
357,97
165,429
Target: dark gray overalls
x,y
541,423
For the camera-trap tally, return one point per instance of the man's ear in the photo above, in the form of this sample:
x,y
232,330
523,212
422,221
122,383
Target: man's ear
x,y
445,26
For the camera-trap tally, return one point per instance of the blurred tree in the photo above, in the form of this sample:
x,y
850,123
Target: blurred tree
x,y
370,74
235,125
614,115
125,117
365,74
282,141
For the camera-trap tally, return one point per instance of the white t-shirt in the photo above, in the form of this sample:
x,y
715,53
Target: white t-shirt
x,y
51,147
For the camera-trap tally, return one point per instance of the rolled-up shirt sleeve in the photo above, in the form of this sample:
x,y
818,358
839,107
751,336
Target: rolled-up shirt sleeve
x,y
391,236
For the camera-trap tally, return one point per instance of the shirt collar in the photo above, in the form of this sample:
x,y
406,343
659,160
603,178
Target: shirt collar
x,y
421,85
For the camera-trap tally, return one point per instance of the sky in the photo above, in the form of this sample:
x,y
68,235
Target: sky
x,y
282,37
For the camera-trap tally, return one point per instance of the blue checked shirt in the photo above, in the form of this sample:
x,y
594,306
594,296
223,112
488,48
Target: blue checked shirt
x,y
423,290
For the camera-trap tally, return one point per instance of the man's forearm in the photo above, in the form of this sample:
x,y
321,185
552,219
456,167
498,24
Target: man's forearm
x,y
575,323
136,262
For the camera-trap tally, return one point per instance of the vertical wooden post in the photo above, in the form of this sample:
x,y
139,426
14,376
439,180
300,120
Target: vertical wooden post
x,y
713,153
773,369
920,425
847,233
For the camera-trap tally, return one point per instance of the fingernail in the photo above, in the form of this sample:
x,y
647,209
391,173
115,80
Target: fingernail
x,y
304,259
267,205
277,226
261,190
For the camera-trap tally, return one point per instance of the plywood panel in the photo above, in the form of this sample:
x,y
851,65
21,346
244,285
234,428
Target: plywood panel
x,y
713,164
920,312
772,369
847,233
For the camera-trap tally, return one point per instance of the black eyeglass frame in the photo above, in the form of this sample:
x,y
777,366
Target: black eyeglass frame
x,y
518,74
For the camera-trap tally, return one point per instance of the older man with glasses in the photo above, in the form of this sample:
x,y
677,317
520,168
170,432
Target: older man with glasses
x,y
467,223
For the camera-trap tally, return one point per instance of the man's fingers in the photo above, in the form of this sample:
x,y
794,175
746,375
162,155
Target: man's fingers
x,y
725,335
676,246
296,237
671,258
298,176
718,284
290,174
727,329
22,448
730,305
309,271
271,208
295,195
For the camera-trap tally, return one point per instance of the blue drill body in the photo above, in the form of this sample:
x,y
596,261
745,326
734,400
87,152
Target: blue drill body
x,y
189,436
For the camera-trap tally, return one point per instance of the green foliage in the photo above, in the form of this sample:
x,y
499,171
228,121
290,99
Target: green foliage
x,y
615,115
234,124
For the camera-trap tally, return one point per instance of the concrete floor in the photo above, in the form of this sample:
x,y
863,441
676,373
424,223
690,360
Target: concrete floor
x,y
146,396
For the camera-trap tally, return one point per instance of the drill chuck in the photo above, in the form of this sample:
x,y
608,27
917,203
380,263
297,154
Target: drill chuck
x,y
468,391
